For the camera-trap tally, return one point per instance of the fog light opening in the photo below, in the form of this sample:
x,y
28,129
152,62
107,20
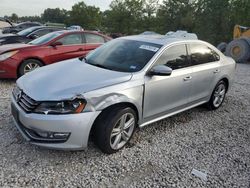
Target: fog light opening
x,y
53,135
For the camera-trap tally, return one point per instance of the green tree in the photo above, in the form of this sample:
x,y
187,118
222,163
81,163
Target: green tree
x,y
55,15
175,15
89,17
124,16
240,13
14,17
149,17
213,21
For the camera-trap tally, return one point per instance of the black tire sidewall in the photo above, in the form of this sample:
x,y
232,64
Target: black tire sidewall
x,y
210,103
222,47
105,125
245,50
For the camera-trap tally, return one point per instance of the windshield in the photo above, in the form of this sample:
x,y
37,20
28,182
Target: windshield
x,y
44,39
26,31
123,55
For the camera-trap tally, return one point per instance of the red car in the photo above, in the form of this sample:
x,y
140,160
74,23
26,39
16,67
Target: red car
x,y
18,59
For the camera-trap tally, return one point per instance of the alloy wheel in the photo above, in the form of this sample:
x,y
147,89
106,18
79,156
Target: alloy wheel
x,y
30,67
122,131
219,95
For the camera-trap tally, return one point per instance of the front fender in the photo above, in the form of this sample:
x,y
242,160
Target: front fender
x,y
102,99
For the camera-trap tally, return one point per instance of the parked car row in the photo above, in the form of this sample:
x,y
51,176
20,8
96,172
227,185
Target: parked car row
x,y
27,35
20,27
19,59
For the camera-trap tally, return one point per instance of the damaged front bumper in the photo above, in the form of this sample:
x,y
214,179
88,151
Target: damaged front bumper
x,y
69,132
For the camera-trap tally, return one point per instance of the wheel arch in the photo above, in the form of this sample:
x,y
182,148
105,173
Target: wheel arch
x,y
225,79
25,59
108,108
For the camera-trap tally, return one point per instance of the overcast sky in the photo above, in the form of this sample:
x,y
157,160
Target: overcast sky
x,y
36,7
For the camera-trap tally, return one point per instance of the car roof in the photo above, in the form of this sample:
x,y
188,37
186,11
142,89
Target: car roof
x,y
28,22
77,31
157,39
41,27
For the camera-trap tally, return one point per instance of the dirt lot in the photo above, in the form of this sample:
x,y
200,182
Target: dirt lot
x,y
160,155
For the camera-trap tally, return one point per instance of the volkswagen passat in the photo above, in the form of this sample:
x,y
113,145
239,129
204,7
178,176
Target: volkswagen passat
x,y
128,82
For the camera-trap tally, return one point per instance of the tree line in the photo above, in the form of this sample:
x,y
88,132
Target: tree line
x,y
211,20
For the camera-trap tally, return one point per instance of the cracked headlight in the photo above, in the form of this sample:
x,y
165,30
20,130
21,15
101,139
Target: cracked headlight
x,y
62,107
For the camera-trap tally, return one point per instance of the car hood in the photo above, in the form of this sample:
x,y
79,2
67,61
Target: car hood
x,y
10,47
68,79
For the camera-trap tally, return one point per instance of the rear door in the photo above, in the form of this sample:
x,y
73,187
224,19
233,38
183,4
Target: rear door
x,y
72,46
205,71
93,41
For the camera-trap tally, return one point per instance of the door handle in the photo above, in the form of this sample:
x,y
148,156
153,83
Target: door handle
x,y
187,78
216,71
80,49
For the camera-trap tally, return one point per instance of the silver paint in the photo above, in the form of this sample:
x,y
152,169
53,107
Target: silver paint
x,y
154,97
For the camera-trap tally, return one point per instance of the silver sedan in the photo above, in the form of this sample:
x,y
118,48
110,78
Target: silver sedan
x,y
127,83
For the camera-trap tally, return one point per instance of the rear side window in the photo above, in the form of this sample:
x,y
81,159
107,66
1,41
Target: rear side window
x,y
42,32
201,54
71,39
92,38
174,57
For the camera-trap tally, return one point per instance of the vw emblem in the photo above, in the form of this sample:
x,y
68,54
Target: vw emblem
x,y
18,96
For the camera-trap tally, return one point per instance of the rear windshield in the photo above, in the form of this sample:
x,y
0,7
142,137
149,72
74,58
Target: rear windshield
x,y
123,55
27,31
44,39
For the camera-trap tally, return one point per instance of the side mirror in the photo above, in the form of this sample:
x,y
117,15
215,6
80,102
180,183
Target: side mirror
x,y
160,70
33,36
57,43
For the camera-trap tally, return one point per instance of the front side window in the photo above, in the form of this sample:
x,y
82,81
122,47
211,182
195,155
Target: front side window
x,y
200,54
174,57
123,55
45,38
92,38
71,39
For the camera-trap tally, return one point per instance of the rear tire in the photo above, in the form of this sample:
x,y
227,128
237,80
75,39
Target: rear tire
x,y
239,50
222,47
218,96
114,128
28,66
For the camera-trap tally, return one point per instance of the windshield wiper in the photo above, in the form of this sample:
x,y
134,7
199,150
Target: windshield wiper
x,y
96,65
101,66
83,58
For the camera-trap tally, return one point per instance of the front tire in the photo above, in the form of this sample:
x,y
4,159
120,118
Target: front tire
x,y
218,96
28,66
114,129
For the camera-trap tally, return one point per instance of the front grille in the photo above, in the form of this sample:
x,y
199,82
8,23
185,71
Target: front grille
x,y
24,101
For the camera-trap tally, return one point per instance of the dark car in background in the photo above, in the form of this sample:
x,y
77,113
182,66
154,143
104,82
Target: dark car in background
x,y
19,59
27,35
20,27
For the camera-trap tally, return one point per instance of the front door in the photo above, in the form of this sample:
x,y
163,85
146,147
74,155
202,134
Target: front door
x,y
166,94
72,47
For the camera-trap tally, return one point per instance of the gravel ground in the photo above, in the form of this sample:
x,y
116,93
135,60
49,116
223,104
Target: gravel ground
x,y
160,155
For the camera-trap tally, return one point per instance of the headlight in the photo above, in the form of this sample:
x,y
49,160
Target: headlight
x,y
2,40
63,107
7,55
